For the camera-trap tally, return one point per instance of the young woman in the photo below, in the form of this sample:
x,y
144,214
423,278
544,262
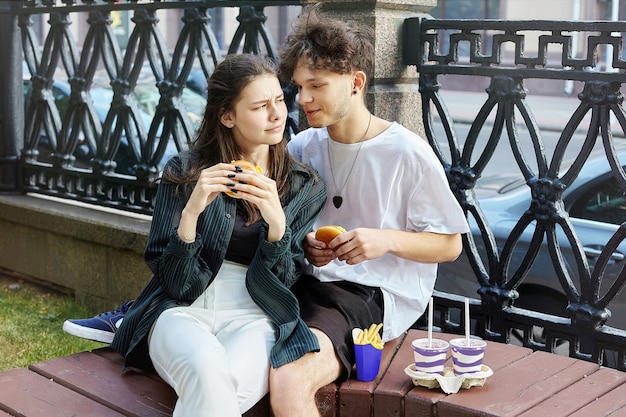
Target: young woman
x,y
218,309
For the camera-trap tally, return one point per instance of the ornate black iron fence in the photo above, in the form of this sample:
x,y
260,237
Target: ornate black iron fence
x,y
88,135
478,49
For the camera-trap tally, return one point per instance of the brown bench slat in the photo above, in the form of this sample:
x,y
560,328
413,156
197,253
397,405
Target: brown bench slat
x,y
96,377
326,399
499,355
260,409
389,394
518,387
26,393
356,397
611,404
98,374
421,402
111,355
580,394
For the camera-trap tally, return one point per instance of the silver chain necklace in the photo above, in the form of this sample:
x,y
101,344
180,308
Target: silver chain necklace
x,y
338,199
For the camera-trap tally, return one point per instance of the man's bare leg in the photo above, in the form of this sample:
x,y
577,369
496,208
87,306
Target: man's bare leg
x,y
293,386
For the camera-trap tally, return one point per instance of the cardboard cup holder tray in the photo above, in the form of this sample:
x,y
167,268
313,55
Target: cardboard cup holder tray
x,y
449,382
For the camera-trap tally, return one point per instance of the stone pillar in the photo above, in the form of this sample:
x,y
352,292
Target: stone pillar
x,y
11,98
393,93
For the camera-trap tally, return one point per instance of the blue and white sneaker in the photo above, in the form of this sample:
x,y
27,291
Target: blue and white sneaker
x,y
100,328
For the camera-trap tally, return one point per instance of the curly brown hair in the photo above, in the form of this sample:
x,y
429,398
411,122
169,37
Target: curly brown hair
x,y
319,42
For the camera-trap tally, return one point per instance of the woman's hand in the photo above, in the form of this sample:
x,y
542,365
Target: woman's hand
x,y
212,181
261,191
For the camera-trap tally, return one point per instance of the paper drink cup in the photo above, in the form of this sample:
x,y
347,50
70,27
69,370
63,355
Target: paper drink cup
x,y
467,359
367,361
430,359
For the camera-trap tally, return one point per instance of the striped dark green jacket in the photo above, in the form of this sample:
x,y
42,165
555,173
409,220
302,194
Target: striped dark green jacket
x,y
182,271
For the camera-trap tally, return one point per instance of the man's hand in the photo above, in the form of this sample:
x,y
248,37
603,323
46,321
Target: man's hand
x,y
353,246
316,251
361,244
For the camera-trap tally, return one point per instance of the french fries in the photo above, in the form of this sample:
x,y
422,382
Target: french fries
x,y
368,336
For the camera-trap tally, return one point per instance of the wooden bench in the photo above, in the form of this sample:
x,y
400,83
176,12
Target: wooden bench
x,y
524,384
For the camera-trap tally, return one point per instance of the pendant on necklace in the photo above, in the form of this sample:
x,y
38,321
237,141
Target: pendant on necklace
x,y
337,200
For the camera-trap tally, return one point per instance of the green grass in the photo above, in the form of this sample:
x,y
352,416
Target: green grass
x,y
31,320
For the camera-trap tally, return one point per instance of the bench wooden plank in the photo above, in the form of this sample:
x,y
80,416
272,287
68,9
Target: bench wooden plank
x,y
98,375
500,355
579,394
136,393
356,397
516,388
326,399
26,393
389,394
421,402
611,404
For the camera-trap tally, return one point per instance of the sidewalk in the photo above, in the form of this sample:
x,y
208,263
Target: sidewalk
x,y
550,112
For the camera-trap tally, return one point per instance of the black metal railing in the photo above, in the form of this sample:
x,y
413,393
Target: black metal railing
x,y
458,47
88,135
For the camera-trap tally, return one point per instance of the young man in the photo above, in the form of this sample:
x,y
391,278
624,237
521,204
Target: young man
x,y
385,186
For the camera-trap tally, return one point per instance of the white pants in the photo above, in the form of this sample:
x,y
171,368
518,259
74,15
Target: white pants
x,y
215,353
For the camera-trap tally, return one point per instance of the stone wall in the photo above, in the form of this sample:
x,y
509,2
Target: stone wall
x,y
93,253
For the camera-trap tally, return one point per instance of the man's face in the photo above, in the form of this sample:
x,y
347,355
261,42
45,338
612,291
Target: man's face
x,y
324,95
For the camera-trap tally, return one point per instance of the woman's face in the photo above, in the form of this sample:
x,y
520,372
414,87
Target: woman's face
x,y
259,115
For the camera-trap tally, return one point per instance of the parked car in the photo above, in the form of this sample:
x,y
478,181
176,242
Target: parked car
x,y
596,206
148,97
197,81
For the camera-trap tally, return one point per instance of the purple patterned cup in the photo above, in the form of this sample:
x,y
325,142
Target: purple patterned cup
x,y
467,359
430,359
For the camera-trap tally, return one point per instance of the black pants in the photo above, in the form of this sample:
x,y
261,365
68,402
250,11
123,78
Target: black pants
x,y
336,308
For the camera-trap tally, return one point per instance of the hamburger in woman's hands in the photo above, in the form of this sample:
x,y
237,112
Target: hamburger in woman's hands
x,y
243,164
328,233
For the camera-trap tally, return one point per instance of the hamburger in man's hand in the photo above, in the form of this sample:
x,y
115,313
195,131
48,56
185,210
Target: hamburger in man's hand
x,y
328,233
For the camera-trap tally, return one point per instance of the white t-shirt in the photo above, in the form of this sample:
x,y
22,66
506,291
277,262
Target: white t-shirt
x,y
397,183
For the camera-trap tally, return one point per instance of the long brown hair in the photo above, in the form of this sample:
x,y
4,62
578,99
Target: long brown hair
x,y
215,143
